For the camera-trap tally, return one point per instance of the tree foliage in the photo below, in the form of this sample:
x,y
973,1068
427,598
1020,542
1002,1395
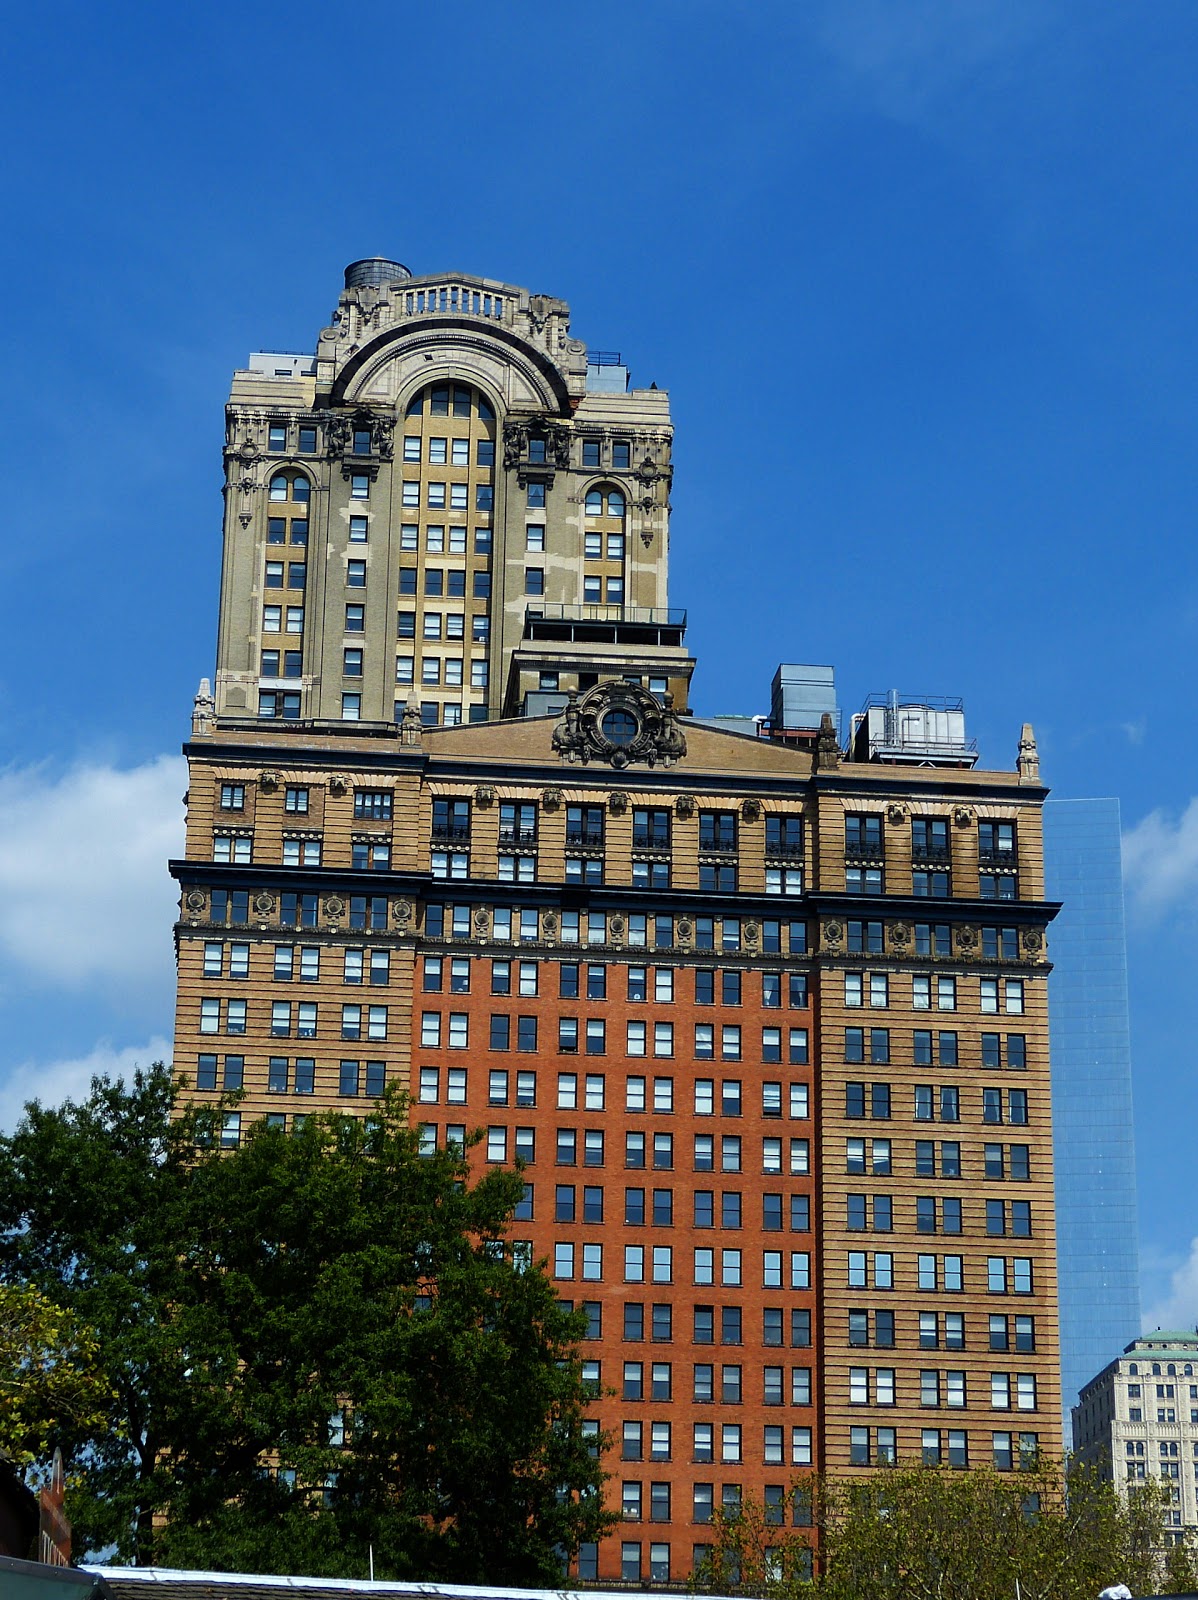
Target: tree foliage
x,y
931,1533
50,1380
316,1344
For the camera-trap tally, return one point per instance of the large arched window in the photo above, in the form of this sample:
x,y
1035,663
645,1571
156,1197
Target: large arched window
x,y
445,463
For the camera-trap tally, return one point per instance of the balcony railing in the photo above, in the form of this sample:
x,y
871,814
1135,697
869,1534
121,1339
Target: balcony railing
x,y
936,854
451,833
585,838
645,616
521,838
995,856
717,847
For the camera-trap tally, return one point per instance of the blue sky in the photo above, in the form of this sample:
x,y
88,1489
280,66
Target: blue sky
x,y
919,275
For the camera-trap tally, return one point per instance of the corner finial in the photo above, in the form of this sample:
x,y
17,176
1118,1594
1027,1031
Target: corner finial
x,y
1028,764
410,724
203,709
827,745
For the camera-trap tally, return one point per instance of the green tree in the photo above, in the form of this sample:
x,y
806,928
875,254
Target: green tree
x,y
49,1378
321,1343
929,1533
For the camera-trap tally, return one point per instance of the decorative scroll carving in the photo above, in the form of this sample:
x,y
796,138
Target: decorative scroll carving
x,y
268,782
751,810
484,796
685,806
620,723
551,799
963,816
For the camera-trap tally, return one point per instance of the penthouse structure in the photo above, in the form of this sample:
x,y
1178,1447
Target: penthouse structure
x,y
761,1011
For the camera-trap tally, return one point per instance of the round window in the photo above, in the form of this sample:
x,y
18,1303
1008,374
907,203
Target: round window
x,y
620,727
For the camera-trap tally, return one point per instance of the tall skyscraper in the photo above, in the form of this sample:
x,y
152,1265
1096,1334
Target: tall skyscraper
x,y
763,1016
1097,1243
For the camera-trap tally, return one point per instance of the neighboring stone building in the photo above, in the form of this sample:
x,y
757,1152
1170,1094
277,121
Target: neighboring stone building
x,y
765,1017
1138,1419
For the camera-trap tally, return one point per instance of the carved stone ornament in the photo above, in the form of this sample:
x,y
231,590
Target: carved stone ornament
x,y
401,912
900,935
551,799
1033,941
264,904
617,803
963,816
620,723
384,431
895,812
684,931
751,932
827,745
336,432
751,811
268,782
482,921
334,906
616,927
1028,763
338,784
833,932
484,796
196,901
685,806
967,940
549,925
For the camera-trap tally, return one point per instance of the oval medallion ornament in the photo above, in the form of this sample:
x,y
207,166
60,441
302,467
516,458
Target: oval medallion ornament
x,y
620,723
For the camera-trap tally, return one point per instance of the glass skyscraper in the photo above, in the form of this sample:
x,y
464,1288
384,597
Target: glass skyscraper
x,y
1097,1241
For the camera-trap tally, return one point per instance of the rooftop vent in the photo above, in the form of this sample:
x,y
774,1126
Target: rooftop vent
x,y
914,730
374,271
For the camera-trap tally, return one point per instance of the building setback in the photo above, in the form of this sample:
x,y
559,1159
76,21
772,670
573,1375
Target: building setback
x,y
764,1017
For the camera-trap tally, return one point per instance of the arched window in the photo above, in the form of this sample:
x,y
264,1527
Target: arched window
x,y
605,503
1133,1368
290,486
1156,1369
1170,1371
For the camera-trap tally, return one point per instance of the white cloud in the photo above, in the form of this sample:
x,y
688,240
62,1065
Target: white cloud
x,y
1160,860
910,56
1179,1306
85,896
55,1081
